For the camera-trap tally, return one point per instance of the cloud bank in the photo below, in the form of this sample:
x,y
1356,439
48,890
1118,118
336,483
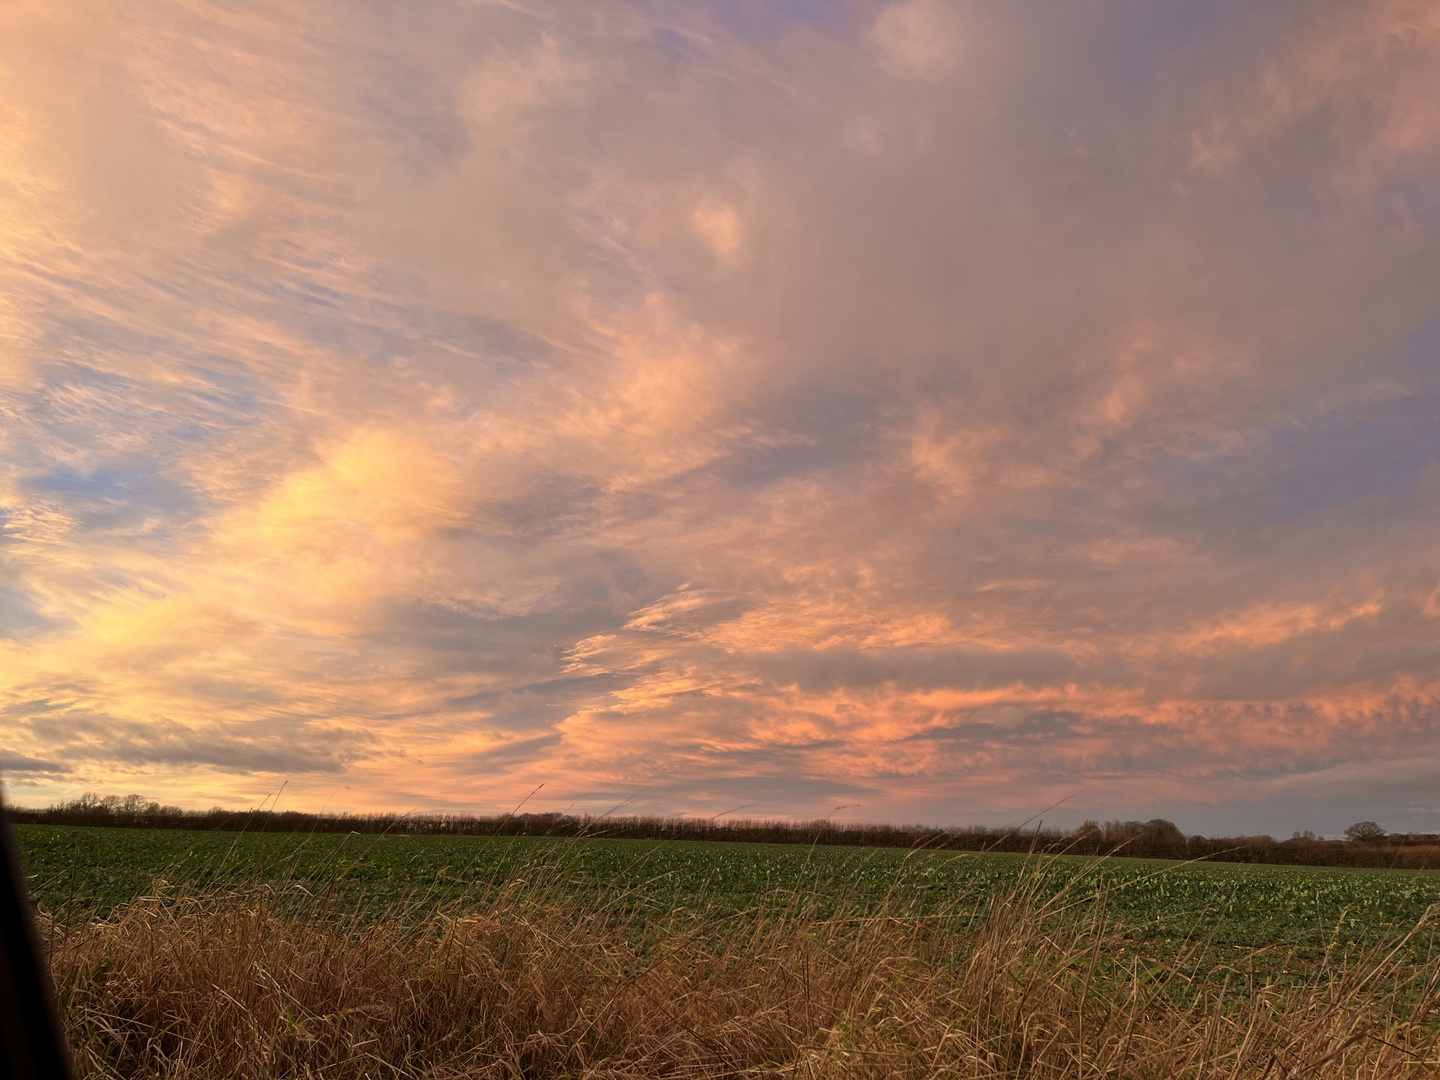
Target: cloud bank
x,y
942,408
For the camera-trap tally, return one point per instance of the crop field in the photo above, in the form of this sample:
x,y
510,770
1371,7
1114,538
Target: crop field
x,y
211,954
85,872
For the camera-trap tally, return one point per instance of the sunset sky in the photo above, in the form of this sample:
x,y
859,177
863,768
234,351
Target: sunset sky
x,y
936,409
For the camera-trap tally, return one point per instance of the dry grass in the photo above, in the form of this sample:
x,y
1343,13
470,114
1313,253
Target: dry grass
x,y
524,984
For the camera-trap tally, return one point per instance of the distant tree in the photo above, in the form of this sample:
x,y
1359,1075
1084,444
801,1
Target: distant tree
x,y
1160,829
1365,832
1308,834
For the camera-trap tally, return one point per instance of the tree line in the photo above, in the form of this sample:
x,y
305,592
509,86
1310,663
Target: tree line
x,y
1367,844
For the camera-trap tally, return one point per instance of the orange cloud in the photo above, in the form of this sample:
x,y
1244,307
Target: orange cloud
x,y
907,405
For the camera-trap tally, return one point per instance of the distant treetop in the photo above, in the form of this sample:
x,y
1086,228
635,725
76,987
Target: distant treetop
x,y
1363,831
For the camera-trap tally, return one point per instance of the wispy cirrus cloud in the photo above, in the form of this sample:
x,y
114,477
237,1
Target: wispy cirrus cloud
x,y
922,405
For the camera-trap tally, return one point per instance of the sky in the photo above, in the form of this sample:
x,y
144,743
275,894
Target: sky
x,y
915,412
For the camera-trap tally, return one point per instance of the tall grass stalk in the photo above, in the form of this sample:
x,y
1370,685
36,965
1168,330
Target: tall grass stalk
x,y
530,981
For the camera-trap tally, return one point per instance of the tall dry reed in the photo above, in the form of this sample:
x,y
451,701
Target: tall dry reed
x,y
528,983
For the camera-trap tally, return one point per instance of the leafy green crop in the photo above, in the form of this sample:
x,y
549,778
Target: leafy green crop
x,y
79,872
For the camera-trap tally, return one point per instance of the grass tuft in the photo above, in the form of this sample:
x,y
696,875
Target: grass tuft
x,y
530,980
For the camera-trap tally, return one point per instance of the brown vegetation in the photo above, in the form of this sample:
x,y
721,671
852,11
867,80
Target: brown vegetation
x,y
524,984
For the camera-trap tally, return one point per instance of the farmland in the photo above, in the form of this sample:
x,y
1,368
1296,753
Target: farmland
x,y
85,872
209,954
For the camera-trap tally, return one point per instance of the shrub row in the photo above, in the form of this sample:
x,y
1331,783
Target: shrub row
x,y
1155,839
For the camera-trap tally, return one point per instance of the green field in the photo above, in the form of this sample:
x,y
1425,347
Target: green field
x,y
78,872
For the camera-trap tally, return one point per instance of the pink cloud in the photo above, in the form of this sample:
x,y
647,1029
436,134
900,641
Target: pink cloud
x,y
916,405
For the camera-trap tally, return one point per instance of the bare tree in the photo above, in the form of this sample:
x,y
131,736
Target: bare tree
x,y
1365,832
